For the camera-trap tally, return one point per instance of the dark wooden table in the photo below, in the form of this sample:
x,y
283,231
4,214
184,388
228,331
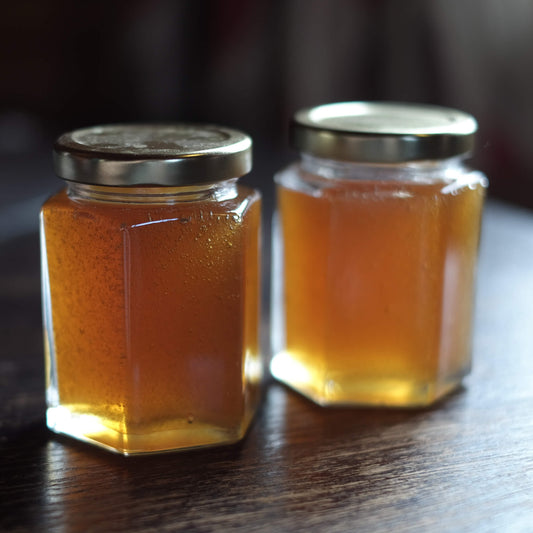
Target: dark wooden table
x,y
465,465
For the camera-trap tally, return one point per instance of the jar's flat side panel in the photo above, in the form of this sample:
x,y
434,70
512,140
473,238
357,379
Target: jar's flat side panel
x,y
85,270
253,369
52,395
304,268
186,322
461,222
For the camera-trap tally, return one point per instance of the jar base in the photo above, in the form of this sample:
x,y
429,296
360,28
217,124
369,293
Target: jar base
x,y
326,390
185,435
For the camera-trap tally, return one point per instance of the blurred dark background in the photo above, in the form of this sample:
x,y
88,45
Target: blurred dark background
x,y
250,65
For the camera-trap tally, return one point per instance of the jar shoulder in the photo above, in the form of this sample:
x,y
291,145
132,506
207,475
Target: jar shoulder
x,y
299,178
123,214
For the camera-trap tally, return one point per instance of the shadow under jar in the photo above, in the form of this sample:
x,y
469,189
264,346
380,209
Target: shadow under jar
x,y
375,246
150,276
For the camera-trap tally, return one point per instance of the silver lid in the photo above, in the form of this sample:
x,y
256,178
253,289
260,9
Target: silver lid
x,y
152,154
382,132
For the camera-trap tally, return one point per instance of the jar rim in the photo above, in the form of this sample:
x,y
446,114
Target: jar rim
x,y
172,154
382,132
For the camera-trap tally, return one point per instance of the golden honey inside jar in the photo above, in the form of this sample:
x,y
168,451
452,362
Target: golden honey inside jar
x,y
375,247
150,262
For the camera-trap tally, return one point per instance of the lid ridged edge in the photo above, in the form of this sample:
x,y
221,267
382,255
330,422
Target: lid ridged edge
x,y
176,161
429,132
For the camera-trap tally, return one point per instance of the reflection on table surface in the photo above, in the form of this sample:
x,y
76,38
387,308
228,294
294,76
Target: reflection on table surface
x,y
463,465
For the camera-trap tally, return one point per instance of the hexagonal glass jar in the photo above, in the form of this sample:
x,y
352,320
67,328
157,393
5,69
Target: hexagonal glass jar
x,y
375,247
150,276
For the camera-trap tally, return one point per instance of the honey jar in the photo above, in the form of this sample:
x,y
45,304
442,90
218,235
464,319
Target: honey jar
x,y
150,278
375,246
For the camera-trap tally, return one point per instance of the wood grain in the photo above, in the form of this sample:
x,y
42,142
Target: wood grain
x,y
463,465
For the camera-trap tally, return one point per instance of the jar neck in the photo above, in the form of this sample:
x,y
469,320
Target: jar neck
x,y
412,170
219,191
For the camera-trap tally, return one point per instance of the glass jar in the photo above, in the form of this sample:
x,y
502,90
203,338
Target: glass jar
x,y
150,276
375,246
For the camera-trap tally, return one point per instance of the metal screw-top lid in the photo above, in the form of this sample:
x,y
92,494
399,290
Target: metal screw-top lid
x,y
152,154
382,132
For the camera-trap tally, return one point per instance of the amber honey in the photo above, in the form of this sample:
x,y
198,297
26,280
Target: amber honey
x,y
378,285
153,320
